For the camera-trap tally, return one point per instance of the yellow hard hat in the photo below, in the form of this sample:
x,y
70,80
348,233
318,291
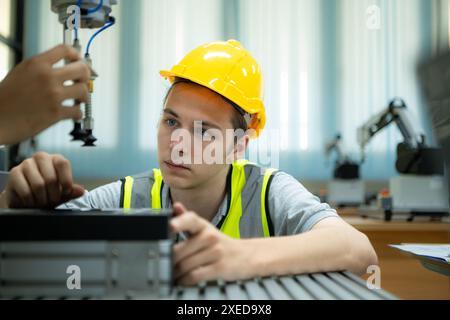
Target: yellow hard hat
x,y
230,70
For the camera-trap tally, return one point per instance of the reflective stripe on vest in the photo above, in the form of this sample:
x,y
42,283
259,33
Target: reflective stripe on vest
x,y
128,187
269,173
157,189
247,214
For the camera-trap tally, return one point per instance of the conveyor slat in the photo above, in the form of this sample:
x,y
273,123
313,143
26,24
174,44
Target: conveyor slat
x,y
276,291
234,291
255,291
295,290
354,287
337,290
190,293
213,293
317,291
383,294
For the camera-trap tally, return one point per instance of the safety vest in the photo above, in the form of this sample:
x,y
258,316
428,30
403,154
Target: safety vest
x,y
248,188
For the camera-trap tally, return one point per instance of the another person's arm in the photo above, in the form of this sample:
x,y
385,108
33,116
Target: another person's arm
x,y
31,96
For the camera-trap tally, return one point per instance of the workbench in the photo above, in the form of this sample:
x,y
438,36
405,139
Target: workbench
x,y
402,274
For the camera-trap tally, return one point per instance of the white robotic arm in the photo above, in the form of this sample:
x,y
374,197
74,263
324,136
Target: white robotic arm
x,y
396,112
335,144
344,167
413,156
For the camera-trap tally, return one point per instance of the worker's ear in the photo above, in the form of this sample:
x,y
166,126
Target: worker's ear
x,y
240,147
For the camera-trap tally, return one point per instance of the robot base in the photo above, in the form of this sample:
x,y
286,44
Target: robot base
x,y
419,193
346,192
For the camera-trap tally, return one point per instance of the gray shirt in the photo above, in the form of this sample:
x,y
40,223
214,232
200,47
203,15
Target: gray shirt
x,y
293,209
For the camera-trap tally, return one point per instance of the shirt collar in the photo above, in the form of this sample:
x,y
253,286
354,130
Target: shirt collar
x,y
221,213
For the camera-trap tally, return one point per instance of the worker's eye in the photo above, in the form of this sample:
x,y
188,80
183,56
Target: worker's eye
x,y
207,134
171,122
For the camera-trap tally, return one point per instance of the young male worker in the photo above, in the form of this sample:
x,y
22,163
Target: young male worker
x,y
243,221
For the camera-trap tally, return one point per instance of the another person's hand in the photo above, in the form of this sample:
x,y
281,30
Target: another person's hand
x,y
31,96
207,254
42,182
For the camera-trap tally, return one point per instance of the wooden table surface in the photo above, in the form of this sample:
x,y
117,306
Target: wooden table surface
x,y
402,274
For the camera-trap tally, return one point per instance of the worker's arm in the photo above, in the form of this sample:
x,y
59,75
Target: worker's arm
x,y
31,96
43,181
331,245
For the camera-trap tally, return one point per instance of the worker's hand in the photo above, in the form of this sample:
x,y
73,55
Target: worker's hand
x,y
43,182
208,254
31,96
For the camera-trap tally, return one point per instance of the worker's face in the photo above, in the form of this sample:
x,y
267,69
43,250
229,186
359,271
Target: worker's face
x,y
195,137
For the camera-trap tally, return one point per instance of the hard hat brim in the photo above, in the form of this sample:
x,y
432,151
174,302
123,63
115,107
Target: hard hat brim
x,y
168,75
